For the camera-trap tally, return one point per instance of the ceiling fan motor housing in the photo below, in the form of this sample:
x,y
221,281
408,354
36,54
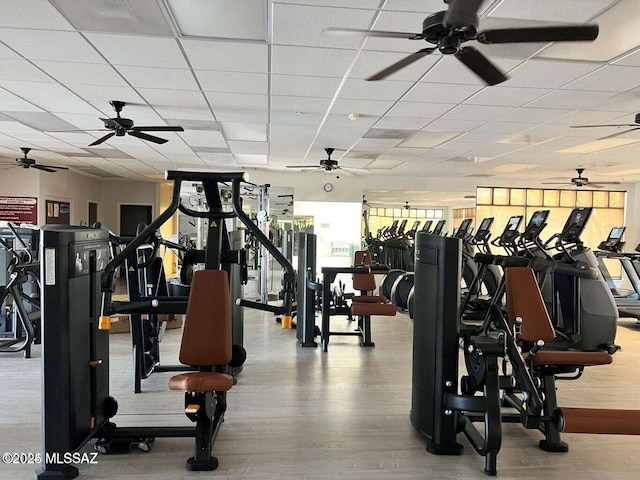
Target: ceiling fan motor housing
x,y
329,164
434,31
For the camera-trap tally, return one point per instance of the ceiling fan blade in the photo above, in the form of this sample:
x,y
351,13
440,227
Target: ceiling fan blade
x,y
617,134
56,167
302,166
461,13
569,33
593,126
149,138
111,123
43,168
480,65
557,183
159,128
102,139
351,32
406,61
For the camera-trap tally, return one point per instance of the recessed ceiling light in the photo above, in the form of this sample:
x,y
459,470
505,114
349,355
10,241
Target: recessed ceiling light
x,y
240,19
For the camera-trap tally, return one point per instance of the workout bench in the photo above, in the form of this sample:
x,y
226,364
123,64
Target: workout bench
x,y
206,344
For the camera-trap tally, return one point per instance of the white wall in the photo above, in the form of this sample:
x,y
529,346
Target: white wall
x,y
68,187
115,193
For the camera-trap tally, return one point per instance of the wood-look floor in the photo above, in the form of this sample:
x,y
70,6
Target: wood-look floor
x,y
303,414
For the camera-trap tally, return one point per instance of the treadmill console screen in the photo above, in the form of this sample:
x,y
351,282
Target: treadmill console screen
x,y
463,228
427,226
574,226
535,225
438,228
511,230
483,229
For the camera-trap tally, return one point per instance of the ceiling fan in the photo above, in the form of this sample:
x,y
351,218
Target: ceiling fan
x,y
407,206
449,29
635,126
329,165
26,162
120,127
581,181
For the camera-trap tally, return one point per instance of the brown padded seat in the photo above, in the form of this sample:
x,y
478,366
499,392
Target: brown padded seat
x,y
201,382
386,309
562,357
524,300
369,299
206,338
599,420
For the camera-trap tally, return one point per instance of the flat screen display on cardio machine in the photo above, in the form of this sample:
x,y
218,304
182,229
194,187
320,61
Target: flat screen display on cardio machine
x,y
427,226
613,240
438,228
511,230
483,229
574,226
535,225
463,228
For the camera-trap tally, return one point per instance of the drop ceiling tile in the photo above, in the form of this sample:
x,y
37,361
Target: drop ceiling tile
x,y
441,92
10,102
249,148
506,96
303,25
100,95
479,112
33,14
367,4
203,139
142,17
380,145
505,128
534,115
450,70
21,70
233,82
473,137
50,45
428,139
371,62
402,123
453,125
253,132
570,99
241,116
50,96
168,78
567,11
248,159
344,106
82,73
241,101
363,90
41,121
608,79
173,98
184,113
299,104
624,102
304,86
319,62
548,74
419,110
365,121
338,137
298,118
420,6
226,56
6,52
139,51
208,125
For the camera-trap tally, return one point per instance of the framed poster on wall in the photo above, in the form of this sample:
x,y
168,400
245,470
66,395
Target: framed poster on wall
x,y
19,210
58,212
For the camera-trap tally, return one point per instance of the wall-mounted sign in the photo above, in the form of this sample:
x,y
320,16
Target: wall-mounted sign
x,y
19,210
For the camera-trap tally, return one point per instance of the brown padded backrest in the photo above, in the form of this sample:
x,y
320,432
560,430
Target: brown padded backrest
x,y
206,338
365,282
525,300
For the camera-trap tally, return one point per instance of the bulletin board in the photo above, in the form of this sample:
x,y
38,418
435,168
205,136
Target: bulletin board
x,y
58,213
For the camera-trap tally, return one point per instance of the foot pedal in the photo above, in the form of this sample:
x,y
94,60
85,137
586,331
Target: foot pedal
x,y
192,408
